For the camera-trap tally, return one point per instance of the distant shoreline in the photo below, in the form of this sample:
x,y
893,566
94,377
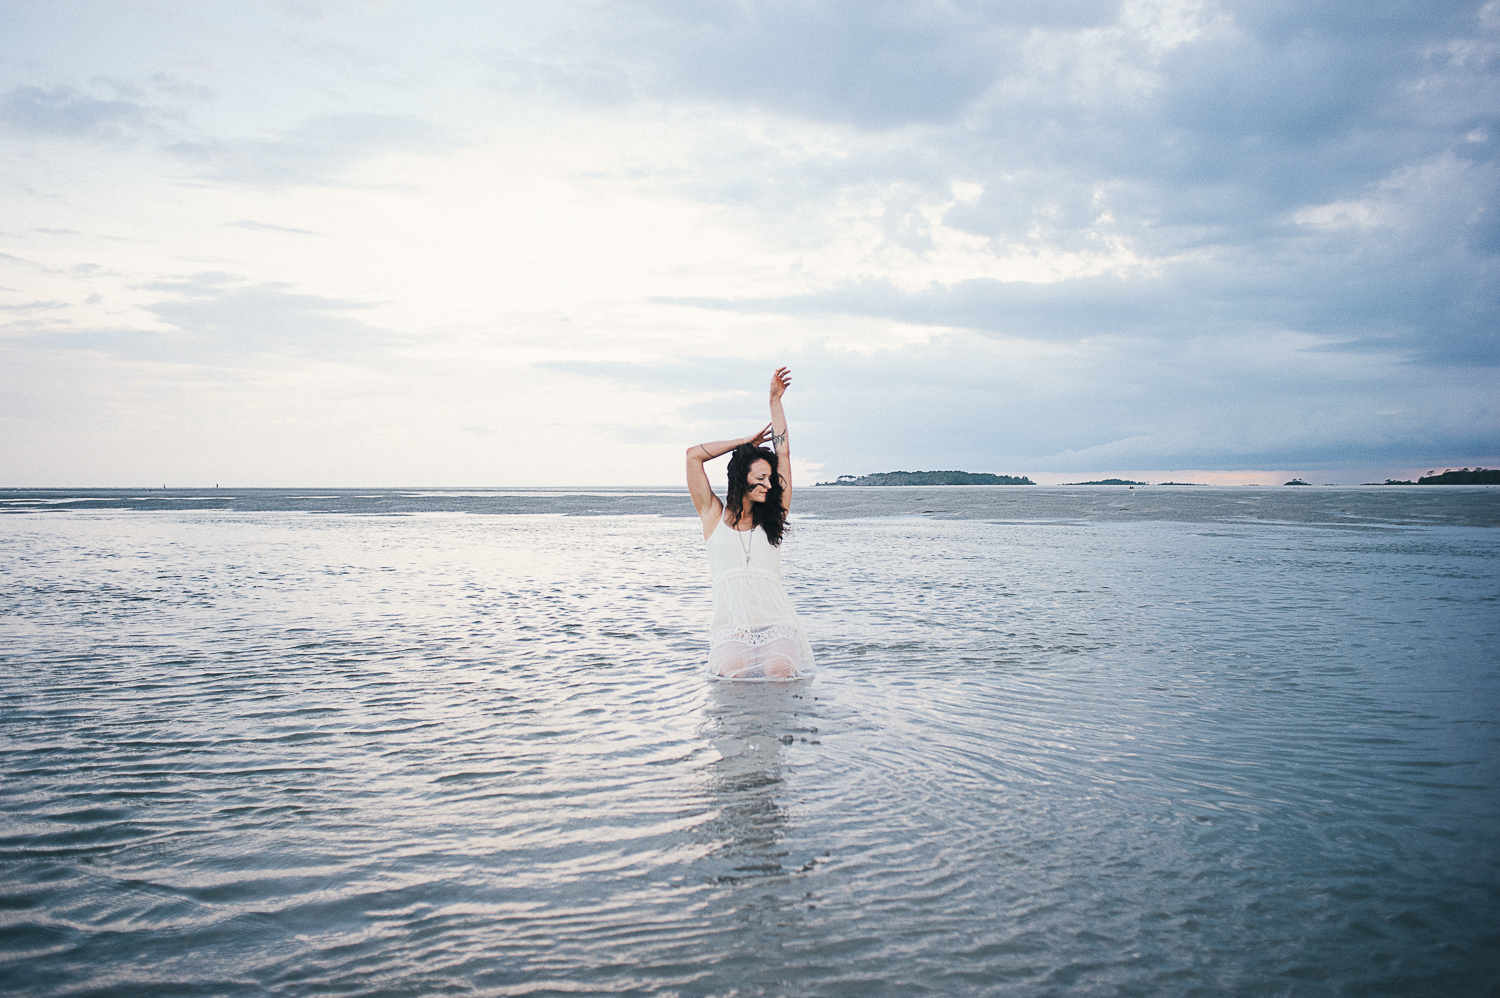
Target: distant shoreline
x,y
930,478
1462,476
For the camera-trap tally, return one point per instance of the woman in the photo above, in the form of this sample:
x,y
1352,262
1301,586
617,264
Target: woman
x,y
754,634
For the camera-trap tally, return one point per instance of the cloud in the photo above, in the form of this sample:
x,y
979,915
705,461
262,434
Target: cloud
x,y
34,306
1439,308
1266,168
321,151
175,86
65,111
215,318
269,319
1191,168
1159,233
245,223
879,65
965,401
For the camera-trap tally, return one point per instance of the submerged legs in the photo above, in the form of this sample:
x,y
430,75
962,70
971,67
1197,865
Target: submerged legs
x,y
774,659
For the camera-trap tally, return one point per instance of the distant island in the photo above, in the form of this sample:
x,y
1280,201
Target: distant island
x,y
1297,481
1109,481
1202,485
930,478
1478,476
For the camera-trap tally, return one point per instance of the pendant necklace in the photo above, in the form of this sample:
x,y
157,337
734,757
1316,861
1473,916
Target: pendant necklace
x,y
746,544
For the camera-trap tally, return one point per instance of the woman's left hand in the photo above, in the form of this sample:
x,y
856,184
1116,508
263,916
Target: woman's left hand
x,y
780,382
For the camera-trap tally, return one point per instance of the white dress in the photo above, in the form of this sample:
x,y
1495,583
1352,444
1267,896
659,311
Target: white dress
x,y
754,633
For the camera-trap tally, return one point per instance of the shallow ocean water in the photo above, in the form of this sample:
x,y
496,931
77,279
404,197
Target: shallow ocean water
x,y
1225,741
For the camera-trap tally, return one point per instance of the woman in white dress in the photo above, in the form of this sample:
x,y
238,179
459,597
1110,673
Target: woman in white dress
x,y
754,633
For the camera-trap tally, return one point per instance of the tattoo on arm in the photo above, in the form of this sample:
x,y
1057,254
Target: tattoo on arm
x,y
778,438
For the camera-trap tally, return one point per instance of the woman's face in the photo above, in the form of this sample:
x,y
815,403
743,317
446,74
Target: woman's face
x,y
758,481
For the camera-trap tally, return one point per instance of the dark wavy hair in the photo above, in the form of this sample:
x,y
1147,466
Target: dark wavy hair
x,y
770,515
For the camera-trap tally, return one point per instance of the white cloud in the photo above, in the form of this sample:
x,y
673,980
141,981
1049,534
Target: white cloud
x,y
65,111
1340,215
1166,231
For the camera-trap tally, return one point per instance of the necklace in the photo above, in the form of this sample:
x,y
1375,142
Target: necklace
x,y
746,543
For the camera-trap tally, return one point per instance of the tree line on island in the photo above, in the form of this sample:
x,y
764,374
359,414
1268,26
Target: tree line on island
x,y
930,478
1463,476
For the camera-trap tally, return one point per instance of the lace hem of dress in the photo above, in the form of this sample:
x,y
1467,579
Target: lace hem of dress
x,y
754,636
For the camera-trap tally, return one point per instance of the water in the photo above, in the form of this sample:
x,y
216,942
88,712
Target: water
x,y
1161,742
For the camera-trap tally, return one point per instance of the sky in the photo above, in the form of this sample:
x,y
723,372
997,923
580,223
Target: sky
x,y
294,242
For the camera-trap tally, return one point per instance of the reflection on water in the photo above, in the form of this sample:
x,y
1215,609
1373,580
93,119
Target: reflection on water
x,y
750,725
273,754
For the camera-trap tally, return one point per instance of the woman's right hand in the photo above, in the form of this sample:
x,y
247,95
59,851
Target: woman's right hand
x,y
780,382
759,437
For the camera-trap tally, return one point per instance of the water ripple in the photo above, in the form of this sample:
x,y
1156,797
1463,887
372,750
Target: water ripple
x,y
258,753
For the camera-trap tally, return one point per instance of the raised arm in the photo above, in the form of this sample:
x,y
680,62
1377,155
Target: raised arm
x,y
780,382
709,508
